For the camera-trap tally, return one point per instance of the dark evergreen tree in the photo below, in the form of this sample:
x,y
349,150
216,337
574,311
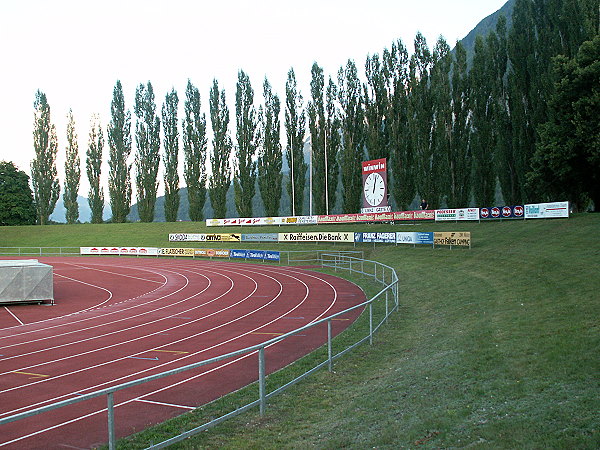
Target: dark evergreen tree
x,y
270,156
295,128
16,198
194,149
247,135
566,164
147,158
46,188
94,168
316,125
352,152
220,178
119,142
72,172
171,155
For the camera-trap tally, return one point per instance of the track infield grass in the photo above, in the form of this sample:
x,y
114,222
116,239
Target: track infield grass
x,y
493,347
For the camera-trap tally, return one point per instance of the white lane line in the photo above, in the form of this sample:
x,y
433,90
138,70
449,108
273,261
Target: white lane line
x,y
166,404
16,318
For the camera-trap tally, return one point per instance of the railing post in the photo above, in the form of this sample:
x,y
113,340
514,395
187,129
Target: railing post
x,y
111,420
329,349
386,305
261,381
371,323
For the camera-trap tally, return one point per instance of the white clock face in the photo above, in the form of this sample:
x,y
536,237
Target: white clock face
x,y
374,189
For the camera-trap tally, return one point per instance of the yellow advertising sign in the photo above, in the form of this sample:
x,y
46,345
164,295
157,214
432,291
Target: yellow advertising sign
x,y
222,237
461,238
177,251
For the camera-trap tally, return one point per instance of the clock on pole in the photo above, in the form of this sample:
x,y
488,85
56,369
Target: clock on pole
x,y
375,186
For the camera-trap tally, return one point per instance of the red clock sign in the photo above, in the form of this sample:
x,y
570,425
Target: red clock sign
x,y
374,175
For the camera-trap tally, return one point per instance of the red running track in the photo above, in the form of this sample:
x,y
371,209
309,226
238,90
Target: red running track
x,y
121,319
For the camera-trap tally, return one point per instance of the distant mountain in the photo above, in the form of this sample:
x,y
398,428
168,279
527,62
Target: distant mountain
x,y
488,24
85,213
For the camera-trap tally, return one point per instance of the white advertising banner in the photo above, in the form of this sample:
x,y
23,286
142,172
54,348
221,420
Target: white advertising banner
x,y
457,214
135,251
547,210
324,236
283,220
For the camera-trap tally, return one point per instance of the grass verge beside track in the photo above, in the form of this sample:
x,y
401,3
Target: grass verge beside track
x,y
497,346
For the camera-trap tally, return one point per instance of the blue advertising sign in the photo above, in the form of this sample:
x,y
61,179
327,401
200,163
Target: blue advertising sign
x,y
424,237
385,238
237,254
255,254
260,237
272,255
417,237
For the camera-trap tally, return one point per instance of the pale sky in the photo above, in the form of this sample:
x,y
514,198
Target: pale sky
x,y
75,50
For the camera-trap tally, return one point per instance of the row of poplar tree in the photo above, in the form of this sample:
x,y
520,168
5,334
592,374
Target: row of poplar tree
x,y
452,128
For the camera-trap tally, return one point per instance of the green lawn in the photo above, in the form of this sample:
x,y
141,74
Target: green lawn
x,y
493,347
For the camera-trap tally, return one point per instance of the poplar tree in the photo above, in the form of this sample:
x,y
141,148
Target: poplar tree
x,y
171,155
481,135
119,143
247,136
421,118
376,99
295,128
220,178
72,172
401,153
459,151
147,158
46,188
270,157
94,168
441,92
332,144
352,153
316,124
194,149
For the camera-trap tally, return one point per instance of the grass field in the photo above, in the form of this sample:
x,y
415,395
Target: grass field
x,y
493,347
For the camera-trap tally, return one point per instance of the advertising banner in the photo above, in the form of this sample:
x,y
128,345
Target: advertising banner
x,y
456,214
386,238
203,237
502,212
547,210
255,254
211,252
417,237
177,251
237,254
272,255
325,236
260,237
135,251
462,238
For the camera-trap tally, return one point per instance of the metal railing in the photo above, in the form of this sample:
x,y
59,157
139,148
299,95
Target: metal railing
x,y
388,296
39,251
